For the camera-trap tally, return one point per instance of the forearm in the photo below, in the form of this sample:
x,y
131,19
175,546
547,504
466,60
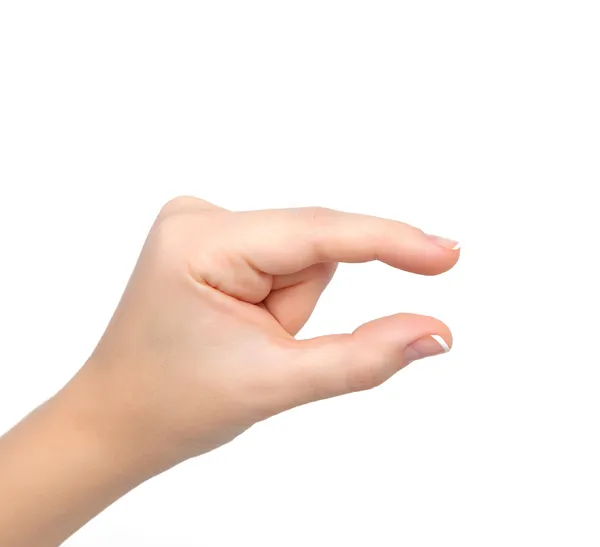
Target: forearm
x,y
60,467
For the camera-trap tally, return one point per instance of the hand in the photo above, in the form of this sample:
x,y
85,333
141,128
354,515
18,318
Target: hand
x,y
200,348
202,344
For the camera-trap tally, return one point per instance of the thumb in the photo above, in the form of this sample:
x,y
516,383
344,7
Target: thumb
x,y
334,365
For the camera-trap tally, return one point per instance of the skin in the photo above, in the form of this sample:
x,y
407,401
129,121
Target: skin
x,y
200,348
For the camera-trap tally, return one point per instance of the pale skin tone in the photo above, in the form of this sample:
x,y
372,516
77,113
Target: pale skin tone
x,y
201,347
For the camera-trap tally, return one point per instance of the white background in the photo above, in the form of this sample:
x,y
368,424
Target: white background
x,y
475,120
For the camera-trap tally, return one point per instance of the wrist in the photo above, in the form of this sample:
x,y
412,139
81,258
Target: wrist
x,y
104,418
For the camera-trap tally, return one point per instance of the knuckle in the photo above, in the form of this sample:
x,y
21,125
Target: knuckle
x,y
177,204
316,212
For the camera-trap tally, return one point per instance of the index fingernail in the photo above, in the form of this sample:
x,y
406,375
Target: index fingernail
x,y
444,242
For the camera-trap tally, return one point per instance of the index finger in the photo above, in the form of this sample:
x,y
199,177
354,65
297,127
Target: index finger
x,y
283,241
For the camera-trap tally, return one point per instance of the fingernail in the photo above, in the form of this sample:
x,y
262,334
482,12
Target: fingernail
x,y
427,346
445,243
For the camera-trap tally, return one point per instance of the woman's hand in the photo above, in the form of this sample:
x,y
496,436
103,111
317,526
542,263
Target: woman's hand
x,y
201,347
202,344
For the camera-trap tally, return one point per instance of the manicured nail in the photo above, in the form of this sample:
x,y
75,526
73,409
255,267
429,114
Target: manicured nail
x,y
427,346
446,243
